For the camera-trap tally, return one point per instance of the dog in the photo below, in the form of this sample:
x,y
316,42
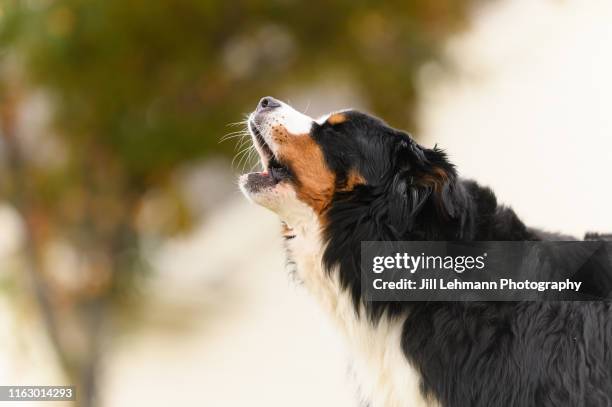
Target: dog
x,y
348,177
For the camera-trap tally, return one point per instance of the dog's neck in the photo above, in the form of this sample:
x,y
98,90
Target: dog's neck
x,y
375,348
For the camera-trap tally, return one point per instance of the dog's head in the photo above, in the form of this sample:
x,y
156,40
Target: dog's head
x,y
313,164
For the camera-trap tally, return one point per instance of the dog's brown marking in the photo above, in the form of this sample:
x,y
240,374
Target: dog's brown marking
x,y
436,179
336,118
353,179
280,135
315,182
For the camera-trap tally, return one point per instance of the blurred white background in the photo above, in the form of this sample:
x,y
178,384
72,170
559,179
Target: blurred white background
x,y
528,110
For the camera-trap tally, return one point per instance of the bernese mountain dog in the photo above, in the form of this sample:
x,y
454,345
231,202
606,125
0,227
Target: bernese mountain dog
x,y
348,177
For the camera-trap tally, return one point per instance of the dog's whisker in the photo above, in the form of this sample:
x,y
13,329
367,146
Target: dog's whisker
x,y
245,157
254,166
239,154
230,136
243,142
239,123
235,136
241,131
251,158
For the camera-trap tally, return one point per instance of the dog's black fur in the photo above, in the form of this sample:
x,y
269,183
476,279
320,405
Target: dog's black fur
x,y
469,354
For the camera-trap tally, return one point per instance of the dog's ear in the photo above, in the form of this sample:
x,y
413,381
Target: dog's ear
x,y
406,199
451,199
408,153
424,174
440,175
406,196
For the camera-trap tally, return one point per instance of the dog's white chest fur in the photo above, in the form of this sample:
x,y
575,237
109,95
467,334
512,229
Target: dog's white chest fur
x,y
383,375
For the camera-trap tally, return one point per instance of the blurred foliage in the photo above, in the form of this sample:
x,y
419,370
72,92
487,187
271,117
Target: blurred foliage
x,y
155,83
137,88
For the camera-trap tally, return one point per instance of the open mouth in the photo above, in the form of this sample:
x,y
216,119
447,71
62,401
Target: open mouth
x,y
273,170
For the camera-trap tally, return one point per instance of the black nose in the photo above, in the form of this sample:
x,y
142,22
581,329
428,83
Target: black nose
x,y
268,103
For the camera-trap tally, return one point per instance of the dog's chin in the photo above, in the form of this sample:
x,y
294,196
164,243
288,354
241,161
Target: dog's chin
x,y
267,188
258,183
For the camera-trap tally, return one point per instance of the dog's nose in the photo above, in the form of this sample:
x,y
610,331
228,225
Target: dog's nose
x,y
268,102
